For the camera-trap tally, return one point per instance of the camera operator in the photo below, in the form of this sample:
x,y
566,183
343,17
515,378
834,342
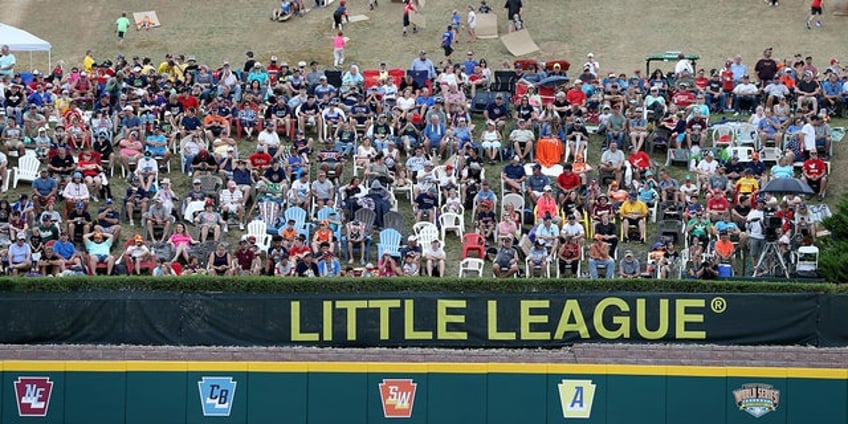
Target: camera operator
x,y
708,269
756,230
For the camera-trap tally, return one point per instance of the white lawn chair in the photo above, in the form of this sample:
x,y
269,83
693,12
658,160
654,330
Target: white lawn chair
x,y
746,135
258,229
744,153
452,222
426,232
27,169
723,135
471,265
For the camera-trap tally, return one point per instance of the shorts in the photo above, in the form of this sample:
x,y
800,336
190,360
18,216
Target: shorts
x,y
633,221
110,230
815,185
815,10
491,144
157,151
448,50
101,258
121,34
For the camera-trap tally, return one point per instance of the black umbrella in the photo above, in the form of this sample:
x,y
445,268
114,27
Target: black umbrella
x,y
787,186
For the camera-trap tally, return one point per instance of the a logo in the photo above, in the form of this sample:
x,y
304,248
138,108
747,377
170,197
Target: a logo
x,y
576,397
757,399
33,395
398,396
216,395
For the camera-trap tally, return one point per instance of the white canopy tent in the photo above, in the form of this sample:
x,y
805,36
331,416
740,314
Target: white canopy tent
x,y
19,40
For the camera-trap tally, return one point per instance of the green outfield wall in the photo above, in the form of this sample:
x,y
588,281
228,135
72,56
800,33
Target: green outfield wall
x,y
350,393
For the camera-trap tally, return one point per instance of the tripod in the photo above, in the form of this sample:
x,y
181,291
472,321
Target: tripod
x,y
770,253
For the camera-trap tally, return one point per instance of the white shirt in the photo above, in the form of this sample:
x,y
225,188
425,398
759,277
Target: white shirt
x,y
231,197
472,19
754,226
708,168
269,139
301,189
809,133
683,65
571,230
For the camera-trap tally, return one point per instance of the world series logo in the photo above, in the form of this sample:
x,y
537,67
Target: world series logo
x,y
216,395
757,399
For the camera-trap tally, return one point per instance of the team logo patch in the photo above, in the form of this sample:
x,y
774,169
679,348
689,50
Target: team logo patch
x,y
576,397
398,397
757,399
216,395
33,395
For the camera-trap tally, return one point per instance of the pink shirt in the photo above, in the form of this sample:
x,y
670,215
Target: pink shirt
x,y
180,239
338,42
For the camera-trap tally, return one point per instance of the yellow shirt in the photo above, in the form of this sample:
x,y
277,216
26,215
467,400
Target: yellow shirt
x,y
747,185
638,207
88,63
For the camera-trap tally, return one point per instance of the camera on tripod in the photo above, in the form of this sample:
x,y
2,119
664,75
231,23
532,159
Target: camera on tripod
x,y
771,224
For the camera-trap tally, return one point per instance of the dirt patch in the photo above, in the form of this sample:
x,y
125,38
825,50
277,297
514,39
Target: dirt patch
x,y
703,355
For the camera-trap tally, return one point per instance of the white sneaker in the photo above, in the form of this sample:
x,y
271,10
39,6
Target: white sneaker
x,y
132,223
241,226
226,228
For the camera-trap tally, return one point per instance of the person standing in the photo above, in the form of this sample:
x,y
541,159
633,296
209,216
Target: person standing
x,y
408,7
471,22
121,27
339,43
513,8
447,41
7,62
815,9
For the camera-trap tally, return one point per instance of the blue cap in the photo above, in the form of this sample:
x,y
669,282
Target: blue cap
x,y
109,201
77,175
80,205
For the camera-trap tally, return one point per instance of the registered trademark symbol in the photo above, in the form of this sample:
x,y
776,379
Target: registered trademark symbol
x,y
718,305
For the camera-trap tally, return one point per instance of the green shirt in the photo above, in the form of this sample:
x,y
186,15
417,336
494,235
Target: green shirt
x,y
123,24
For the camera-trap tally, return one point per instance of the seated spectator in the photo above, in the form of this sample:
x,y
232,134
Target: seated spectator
x,y
569,256
506,260
435,257
51,263
19,256
815,174
181,241
386,266
209,220
599,257
329,266
98,244
158,216
220,261
629,266
513,175
138,252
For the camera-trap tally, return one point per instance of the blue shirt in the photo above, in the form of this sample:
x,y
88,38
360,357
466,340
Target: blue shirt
x,y
470,65
514,171
434,133
538,183
44,185
64,249
447,38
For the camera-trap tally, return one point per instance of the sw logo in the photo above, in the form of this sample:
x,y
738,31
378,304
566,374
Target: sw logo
x,y
757,399
576,397
216,395
398,397
33,395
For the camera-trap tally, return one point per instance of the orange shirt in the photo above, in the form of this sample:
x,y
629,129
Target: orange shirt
x,y
724,248
546,206
549,151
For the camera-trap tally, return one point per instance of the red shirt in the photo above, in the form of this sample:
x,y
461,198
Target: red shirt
x,y
727,79
260,160
816,3
815,168
718,204
273,71
575,96
245,257
640,160
568,180
188,102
